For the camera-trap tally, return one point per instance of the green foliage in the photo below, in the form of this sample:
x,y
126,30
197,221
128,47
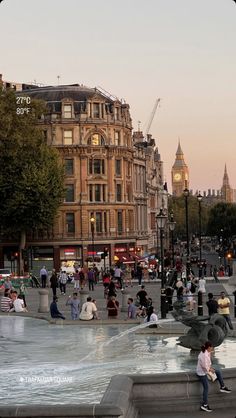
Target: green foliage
x,y
222,217
177,205
31,173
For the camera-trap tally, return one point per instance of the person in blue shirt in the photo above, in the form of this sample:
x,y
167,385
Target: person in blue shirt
x,y
74,305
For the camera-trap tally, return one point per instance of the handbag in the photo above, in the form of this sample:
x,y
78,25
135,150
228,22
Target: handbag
x,y
211,376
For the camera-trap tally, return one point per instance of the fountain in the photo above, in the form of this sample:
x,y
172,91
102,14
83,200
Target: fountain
x,y
214,331
73,365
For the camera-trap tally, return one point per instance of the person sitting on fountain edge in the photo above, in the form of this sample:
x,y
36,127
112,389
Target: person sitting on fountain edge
x,y
54,309
204,367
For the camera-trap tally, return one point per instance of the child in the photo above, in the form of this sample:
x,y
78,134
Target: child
x,y
74,304
22,292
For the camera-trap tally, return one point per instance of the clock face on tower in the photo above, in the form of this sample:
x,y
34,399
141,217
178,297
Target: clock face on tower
x,y
177,176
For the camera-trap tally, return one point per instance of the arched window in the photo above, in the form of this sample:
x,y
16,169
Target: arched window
x,y
96,139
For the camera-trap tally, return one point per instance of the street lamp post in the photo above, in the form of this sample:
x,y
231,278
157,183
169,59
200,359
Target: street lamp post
x,y
172,228
199,198
161,221
92,222
186,196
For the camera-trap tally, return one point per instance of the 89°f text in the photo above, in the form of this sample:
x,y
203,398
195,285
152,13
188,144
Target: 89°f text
x,y
22,110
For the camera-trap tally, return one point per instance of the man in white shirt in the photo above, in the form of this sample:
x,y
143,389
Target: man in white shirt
x,y
89,310
18,304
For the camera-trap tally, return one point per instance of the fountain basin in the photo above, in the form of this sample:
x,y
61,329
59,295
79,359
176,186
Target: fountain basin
x,y
59,365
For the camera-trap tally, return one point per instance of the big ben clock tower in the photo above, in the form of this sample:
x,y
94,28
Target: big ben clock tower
x,y
179,174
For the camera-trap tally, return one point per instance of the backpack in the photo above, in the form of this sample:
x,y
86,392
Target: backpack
x,y
193,288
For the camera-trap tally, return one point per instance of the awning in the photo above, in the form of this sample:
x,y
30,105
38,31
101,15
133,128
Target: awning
x,y
124,258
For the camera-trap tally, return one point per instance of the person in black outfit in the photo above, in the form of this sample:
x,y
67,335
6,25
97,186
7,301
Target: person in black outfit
x,y
212,304
54,309
54,282
139,273
142,295
111,289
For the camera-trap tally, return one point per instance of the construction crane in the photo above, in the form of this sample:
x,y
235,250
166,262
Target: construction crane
x,y
157,102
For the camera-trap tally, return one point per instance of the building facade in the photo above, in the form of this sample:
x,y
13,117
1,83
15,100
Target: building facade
x,y
108,205
179,173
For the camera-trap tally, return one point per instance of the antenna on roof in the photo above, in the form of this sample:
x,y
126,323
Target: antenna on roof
x,y
58,79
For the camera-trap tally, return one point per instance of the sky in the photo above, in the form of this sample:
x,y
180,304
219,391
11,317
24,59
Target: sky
x,y
182,51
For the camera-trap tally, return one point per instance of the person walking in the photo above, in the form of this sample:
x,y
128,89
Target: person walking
x,y
215,274
139,274
212,304
224,304
91,279
203,368
63,281
202,285
43,276
54,282
118,277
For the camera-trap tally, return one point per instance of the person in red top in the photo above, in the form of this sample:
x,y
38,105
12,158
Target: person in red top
x,y
112,307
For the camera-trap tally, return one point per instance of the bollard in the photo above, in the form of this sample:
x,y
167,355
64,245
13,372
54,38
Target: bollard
x,y
43,301
124,303
83,297
200,307
234,303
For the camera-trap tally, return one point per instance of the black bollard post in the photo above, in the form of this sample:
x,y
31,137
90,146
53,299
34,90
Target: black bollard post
x,y
234,303
200,307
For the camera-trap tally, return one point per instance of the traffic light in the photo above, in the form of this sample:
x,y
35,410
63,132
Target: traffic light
x,y
102,256
16,254
106,252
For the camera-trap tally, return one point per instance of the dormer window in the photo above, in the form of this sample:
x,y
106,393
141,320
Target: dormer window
x,y
96,110
96,139
67,111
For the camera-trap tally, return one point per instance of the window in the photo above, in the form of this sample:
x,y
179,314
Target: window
x,y
131,220
129,192
105,222
70,195
67,109
90,193
69,167
97,192
98,167
68,137
96,139
117,113
153,221
119,222
118,193
70,222
118,167
96,113
129,168
117,138
98,218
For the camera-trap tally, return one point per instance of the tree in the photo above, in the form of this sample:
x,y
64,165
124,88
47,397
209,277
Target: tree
x,y
31,172
222,219
177,205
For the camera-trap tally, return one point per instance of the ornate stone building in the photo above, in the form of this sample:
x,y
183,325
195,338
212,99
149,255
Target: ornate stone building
x,y
179,173
149,191
112,183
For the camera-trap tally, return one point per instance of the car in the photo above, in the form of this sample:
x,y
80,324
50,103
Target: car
x,y
5,273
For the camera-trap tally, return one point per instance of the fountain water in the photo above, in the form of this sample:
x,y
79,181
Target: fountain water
x,y
48,364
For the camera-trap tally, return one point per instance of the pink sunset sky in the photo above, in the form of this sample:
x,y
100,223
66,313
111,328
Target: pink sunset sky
x,y
182,51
